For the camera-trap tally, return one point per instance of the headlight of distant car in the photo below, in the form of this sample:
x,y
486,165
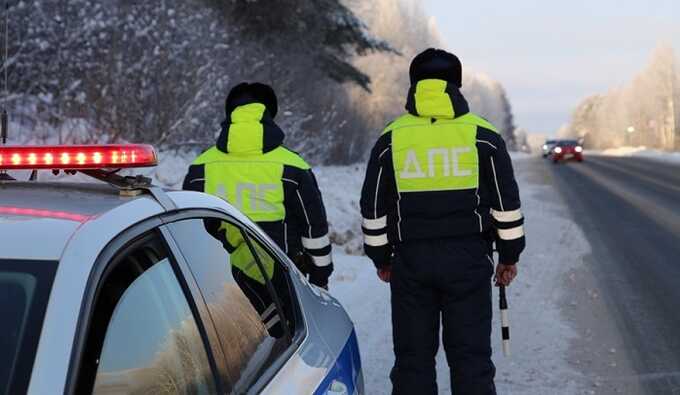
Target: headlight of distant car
x,y
558,150
578,149
545,146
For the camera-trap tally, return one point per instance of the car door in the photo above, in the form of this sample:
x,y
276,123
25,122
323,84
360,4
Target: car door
x,y
249,296
142,330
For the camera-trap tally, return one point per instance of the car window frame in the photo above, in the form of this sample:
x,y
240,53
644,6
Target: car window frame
x,y
103,264
47,270
300,322
301,328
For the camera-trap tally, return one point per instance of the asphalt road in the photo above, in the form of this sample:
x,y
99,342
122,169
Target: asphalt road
x,y
629,210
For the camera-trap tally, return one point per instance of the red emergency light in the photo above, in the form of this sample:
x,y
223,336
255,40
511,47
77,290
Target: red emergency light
x,y
29,212
77,157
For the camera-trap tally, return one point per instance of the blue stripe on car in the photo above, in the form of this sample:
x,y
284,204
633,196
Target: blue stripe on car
x,y
343,377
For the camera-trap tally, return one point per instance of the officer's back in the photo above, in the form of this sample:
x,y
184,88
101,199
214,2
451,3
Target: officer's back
x,y
272,185
439,189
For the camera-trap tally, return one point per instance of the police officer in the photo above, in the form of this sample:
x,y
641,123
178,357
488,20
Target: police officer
x,y
251,169
439,190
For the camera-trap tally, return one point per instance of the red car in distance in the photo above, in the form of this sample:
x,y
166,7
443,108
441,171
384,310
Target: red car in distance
x,y
566,150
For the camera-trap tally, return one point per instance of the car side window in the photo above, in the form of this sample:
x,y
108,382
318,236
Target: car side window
x,y
143,325
279,282
237,289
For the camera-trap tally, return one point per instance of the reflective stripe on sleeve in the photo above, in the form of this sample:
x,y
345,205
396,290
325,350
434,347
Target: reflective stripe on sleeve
x,y
268,312
507,216
275,320
375,224
322,261
511,234
376,241
317,243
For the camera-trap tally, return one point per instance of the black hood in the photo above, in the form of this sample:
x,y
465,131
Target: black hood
x,y
246,93
436,64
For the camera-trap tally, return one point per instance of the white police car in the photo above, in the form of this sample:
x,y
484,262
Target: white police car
x,y
123,289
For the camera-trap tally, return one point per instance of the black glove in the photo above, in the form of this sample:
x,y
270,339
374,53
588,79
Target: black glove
x,y
319,275
303,262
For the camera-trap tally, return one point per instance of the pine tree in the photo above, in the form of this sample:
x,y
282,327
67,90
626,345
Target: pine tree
x,y
325,30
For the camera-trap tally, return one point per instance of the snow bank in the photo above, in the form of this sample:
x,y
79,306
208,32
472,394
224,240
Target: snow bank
x,y
642,151
516,155
540,335
341,190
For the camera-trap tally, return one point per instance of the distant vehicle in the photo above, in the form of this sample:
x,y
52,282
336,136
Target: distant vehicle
x,y
124,288
565,150
547,147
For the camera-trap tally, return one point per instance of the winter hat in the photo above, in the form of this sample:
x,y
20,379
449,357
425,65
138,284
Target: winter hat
x,y
246,93
436,64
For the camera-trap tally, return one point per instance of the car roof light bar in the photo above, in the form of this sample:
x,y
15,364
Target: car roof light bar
x,y
77,157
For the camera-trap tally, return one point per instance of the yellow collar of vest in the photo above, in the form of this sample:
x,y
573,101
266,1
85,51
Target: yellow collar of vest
x,y
249,131
433,98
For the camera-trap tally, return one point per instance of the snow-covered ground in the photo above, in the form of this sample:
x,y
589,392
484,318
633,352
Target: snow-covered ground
x,y
642,151
540,334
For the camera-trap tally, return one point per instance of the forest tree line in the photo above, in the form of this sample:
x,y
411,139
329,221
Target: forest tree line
x,y
644,112
158,71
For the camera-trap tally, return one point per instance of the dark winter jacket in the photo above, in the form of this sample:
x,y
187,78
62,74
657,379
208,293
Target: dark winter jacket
x,y
440,171
251,169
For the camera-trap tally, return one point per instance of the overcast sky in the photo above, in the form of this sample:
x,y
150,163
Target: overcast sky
x,y
550,54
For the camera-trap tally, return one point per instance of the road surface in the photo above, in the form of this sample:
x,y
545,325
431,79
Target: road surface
x,y
628,302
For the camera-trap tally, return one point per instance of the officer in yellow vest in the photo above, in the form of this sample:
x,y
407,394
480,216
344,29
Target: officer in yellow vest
x,y
439,190
251,169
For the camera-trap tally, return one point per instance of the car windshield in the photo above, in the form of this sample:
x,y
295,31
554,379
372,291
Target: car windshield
x,y
568,143
27,285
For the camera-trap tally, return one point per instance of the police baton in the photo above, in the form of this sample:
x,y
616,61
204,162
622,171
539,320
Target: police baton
x,y
505,323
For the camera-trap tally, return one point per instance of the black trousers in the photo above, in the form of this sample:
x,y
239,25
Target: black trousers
x,y
445,281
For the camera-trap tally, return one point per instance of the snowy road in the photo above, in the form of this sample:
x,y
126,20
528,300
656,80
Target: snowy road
x,y
629,209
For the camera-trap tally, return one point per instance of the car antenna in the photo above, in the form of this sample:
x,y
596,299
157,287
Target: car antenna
x,y
4,121
4,118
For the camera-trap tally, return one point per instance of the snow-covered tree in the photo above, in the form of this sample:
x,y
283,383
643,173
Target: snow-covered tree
x,y
488,98
405,25
644,112
326,31
159,71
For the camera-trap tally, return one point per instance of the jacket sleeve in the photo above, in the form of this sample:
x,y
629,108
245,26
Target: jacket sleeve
x,y
310,209
374,202
508,221
195,179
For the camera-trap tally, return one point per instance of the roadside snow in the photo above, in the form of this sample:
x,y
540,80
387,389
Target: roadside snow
x,y
172,168
540,335
520,155
642,151
341,189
